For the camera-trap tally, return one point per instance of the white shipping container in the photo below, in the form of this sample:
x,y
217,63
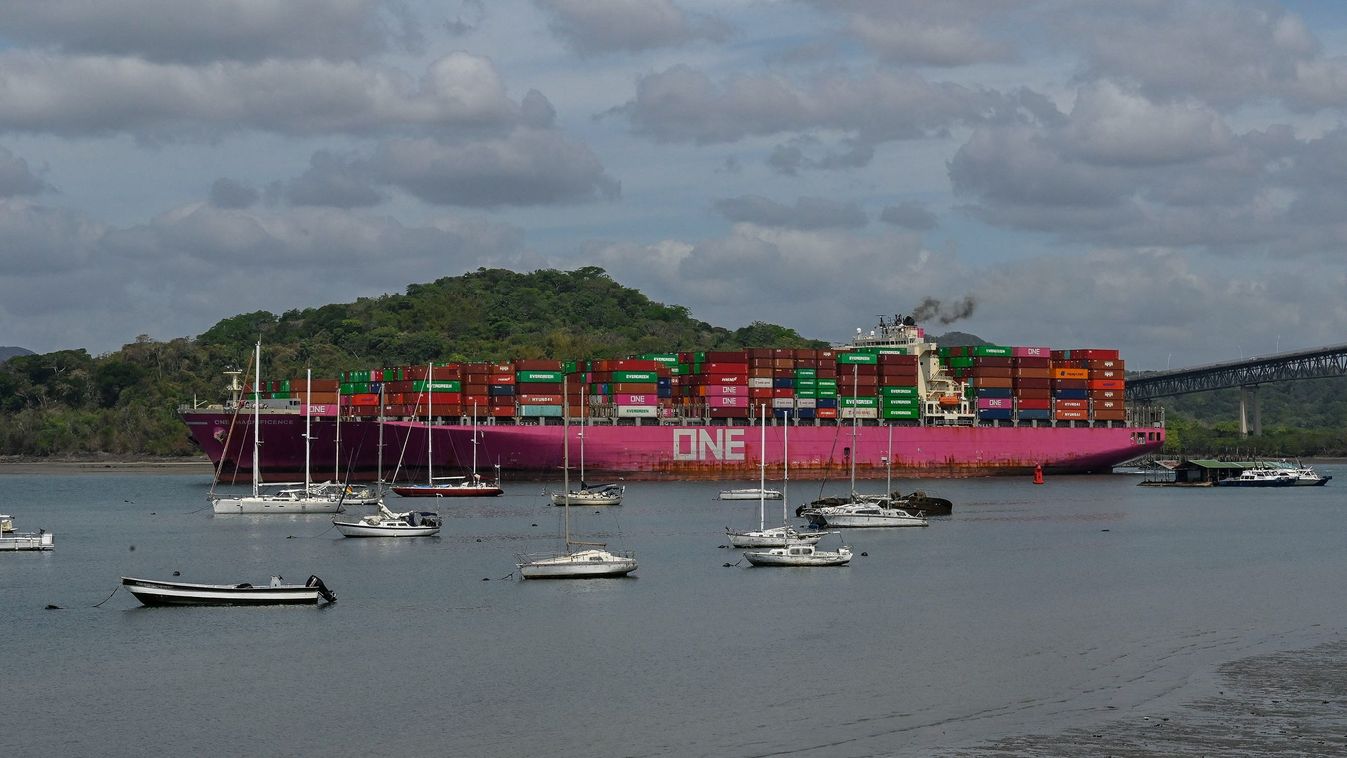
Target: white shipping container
x,y
858,412
760,383
783,402
637,411
805,402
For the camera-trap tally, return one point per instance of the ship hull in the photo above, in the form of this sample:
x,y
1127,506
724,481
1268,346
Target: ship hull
x,y
655,452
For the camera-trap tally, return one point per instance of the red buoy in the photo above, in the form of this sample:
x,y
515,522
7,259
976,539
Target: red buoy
x,y
1038,474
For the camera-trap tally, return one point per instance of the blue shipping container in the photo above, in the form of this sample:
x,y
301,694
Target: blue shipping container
x,y
994,414
1035,414
1071,394
783,384
993,392
826,402
500,390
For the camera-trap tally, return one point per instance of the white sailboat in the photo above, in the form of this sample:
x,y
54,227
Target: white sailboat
x,y
348,494
779,536
386,523
862,510
290,500
601,494
591,560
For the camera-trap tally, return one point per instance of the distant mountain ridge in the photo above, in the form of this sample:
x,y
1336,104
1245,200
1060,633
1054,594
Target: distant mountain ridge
x,y
9,352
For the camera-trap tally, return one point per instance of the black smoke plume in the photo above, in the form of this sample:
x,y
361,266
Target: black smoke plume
x,y
931,308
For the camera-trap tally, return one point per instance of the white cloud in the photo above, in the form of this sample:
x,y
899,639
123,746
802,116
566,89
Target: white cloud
x,y
605,26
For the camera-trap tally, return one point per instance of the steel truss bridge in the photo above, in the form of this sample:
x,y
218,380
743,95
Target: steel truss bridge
x,y
1247,375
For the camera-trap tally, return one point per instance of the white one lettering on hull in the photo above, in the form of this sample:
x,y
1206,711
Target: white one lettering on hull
x,y
708,445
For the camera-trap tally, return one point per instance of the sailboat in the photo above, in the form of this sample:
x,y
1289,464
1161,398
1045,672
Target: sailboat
x,y
779,536
592,560
386,523
290,500
602,494
862,511
348,494
449,486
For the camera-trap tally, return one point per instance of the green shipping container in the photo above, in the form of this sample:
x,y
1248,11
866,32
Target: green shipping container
x,y
826,384
890,351
539,411
668,359
960,361
806,393
992,350
538,376
805,373
570,367
806,384
438,385
858,402
900,413
856,358
635,377
898,391
902,402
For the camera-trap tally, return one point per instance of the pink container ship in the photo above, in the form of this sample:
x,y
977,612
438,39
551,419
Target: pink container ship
x,y
891,400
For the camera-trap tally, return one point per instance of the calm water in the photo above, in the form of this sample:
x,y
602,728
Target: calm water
x,y
1030,610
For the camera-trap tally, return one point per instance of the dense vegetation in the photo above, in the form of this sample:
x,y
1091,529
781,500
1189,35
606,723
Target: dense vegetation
x,y
123,403
1300,419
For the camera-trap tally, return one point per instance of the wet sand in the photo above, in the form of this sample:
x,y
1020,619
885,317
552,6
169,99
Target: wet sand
x,y
68,467
1289,703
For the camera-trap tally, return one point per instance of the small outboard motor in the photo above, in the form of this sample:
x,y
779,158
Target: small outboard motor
x,y
323,591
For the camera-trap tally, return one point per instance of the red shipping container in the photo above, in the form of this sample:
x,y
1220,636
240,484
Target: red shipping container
x,y
1003,361
1070,384
993,382
723,367
480,401
1032,383
1032,373
806,355
541,400
536,364
1105,373
1064,415
759,393
1098,363
1106,384
1108,405
729,379
998,371
1033,404
1111,415
1033,362
363,399
1033,393
727,412
726,356
783,392
1107,394
1072,405
825,413
504,411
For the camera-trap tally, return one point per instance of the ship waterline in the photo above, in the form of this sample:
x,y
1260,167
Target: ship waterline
x,y
670,451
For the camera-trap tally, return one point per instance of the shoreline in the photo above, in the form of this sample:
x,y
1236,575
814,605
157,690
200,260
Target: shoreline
x,y
25,465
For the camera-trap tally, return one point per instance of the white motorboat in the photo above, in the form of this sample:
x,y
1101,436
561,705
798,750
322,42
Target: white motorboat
x,y
1307,477
1260,477
593,559
601,494
777,536
799,555
156,592
863,514
290,500
385,523
11,540
750,494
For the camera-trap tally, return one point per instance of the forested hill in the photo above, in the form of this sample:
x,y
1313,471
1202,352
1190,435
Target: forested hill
x,y
123,403
9,352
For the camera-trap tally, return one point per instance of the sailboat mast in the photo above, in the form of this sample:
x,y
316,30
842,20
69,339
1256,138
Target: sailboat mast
x,y
785,470
308,425
379,470
430,415
336,441
257,417
855,419
762,466
566,459
888,467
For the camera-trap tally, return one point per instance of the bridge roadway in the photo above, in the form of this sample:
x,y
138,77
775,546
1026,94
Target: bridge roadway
x,y
1247,375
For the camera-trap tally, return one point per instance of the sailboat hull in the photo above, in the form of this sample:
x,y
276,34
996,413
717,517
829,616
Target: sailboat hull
x,y
246,505
586,564
423,490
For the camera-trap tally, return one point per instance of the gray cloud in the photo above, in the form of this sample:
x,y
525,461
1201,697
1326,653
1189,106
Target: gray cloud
x,y
227,193
212,30
949,33
336,181
681,104
807,213
183,271
909,216
16,178
98,95
471,15
527,167
607,26
1123,170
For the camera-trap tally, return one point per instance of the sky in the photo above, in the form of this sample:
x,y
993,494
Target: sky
x,y
1161,176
